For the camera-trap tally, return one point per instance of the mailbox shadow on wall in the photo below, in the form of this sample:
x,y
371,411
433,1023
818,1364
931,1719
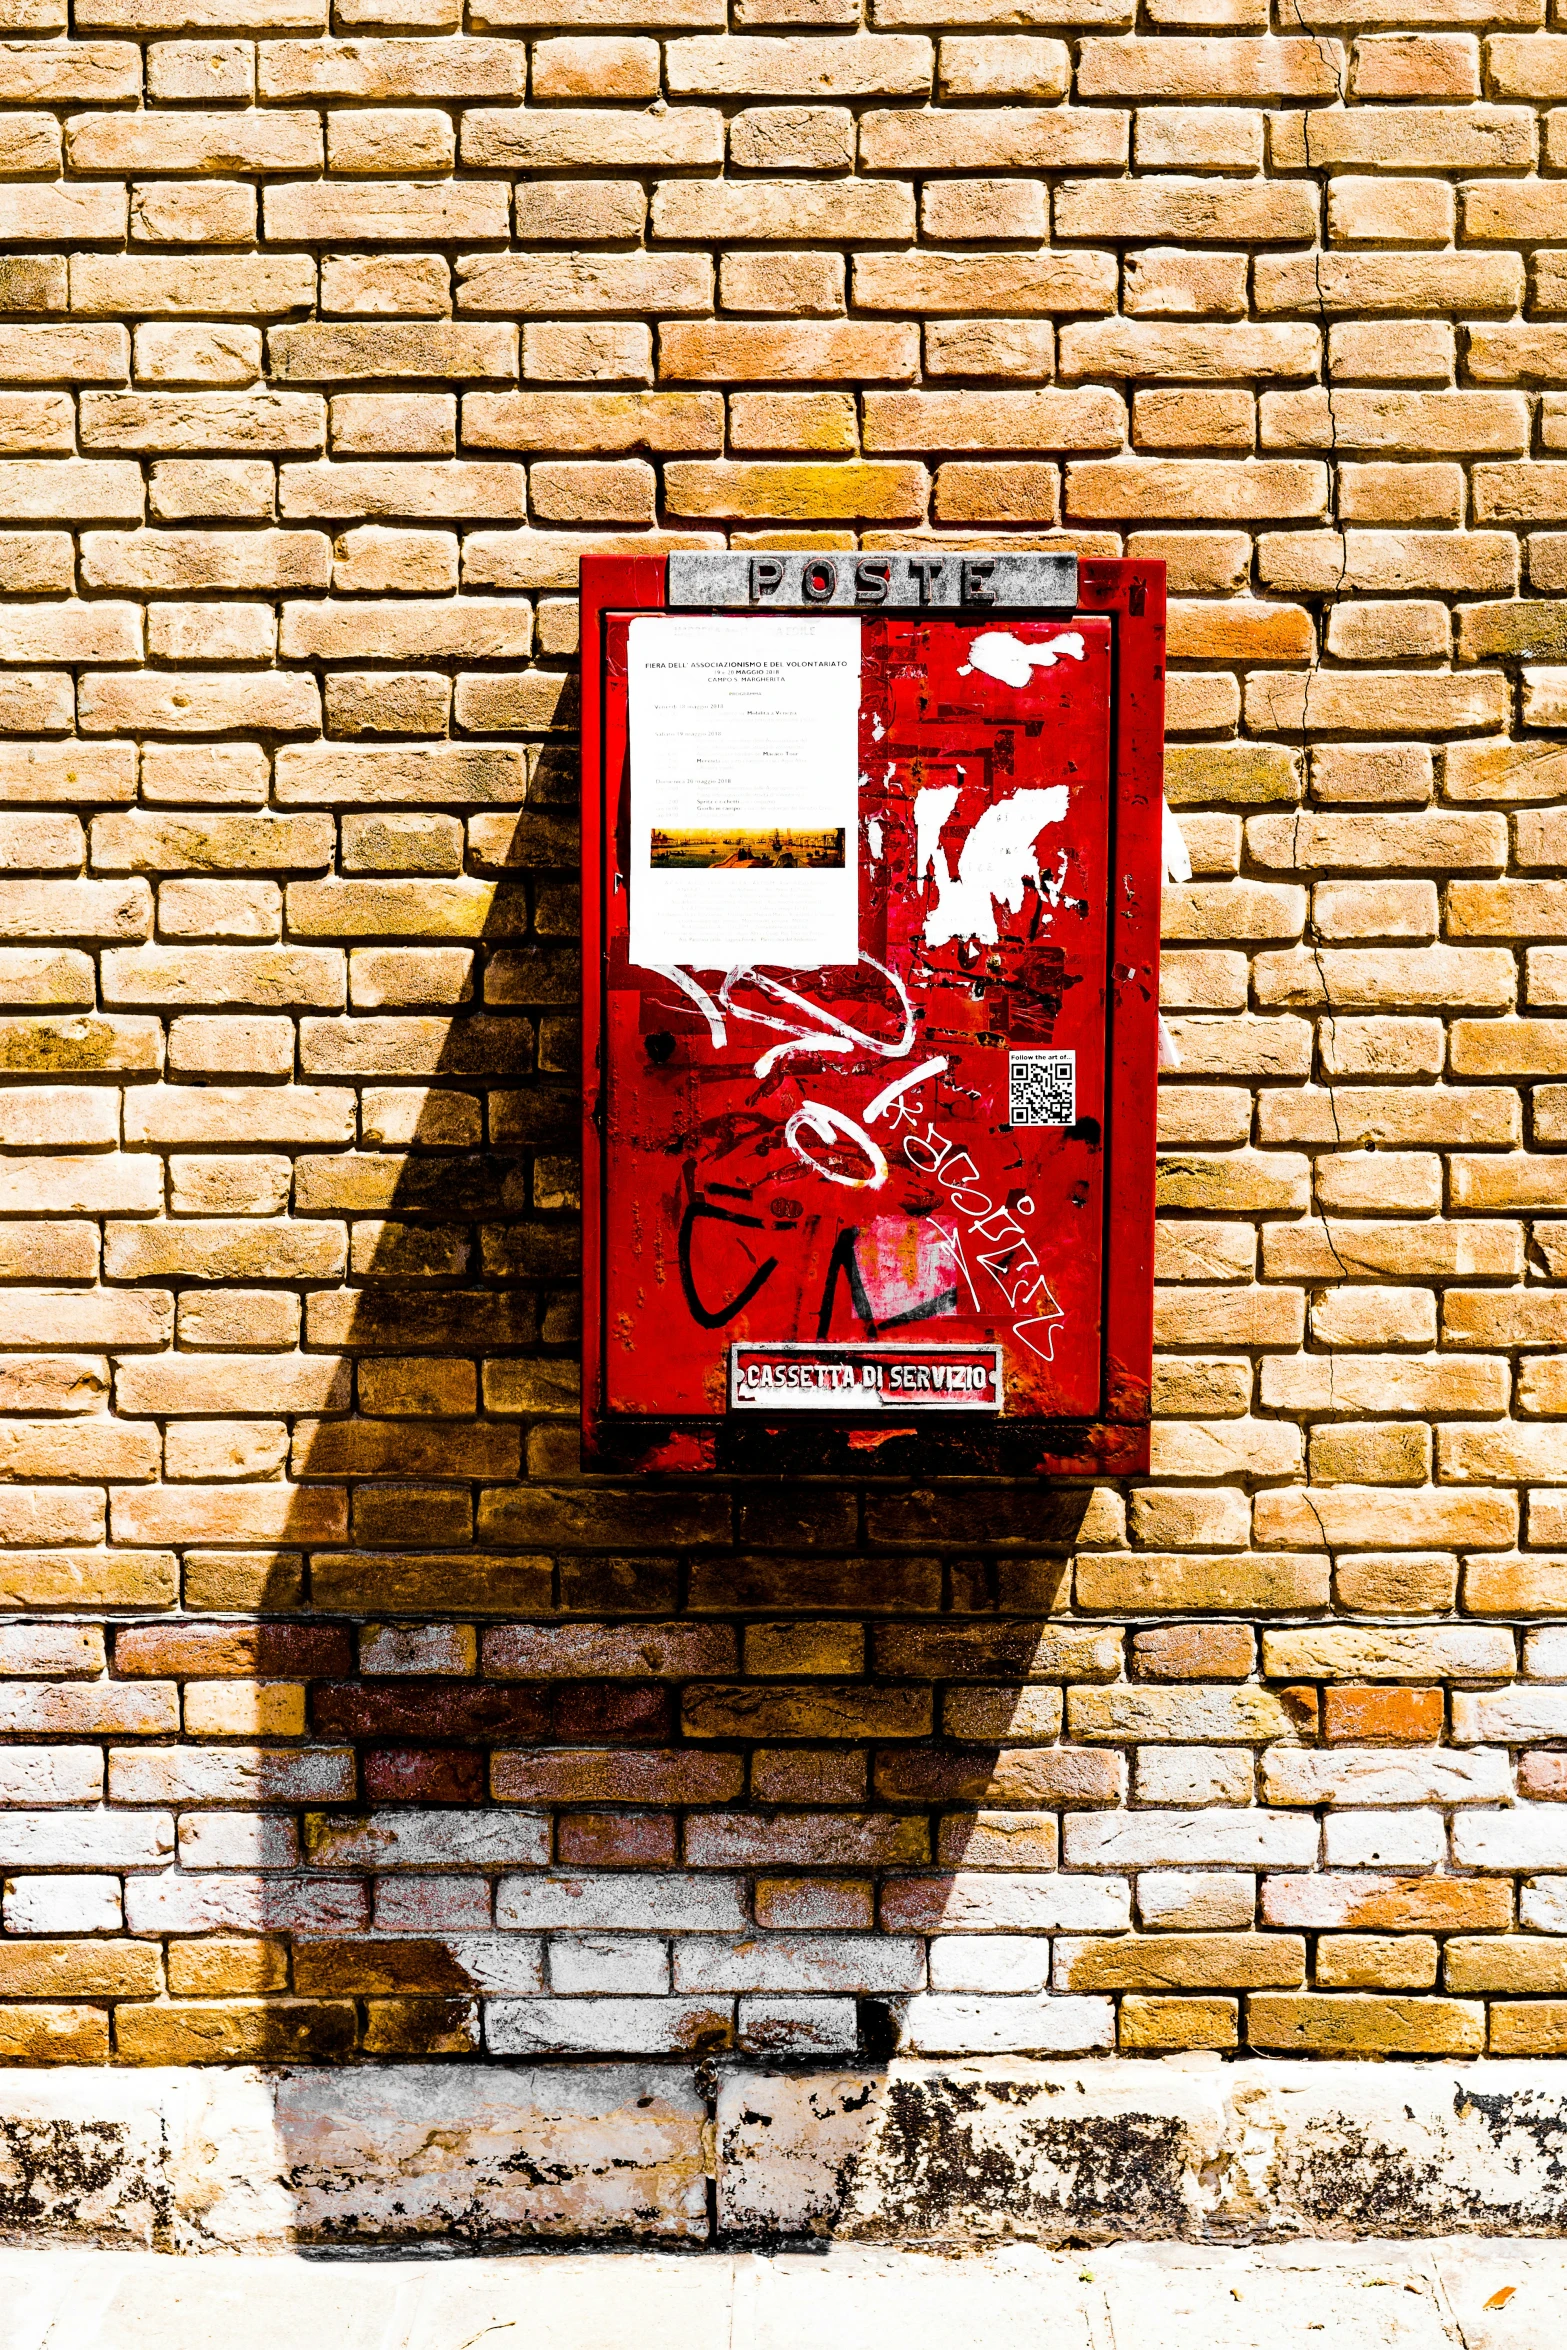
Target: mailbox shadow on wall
x,y
861,1226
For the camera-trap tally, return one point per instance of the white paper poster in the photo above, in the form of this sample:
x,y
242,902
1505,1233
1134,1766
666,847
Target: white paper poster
x,y
744,791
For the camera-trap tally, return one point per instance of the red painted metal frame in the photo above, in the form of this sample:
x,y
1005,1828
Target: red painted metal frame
x,y
619,583
1132,596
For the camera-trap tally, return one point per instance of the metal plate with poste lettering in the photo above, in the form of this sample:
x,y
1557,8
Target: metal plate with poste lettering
x,y
879,1377
864,583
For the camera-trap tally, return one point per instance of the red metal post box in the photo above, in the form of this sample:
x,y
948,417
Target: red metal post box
x,y
871,864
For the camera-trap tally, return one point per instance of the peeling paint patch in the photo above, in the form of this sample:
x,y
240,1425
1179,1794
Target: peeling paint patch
x,y
963,2152
971,2153
996,863
485,2155
81,2165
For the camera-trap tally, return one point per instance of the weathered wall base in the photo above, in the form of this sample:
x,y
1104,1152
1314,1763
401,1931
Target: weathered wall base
x,y
964,2153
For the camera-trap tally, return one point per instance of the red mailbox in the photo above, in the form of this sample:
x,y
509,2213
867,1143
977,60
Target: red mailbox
x,y
871,864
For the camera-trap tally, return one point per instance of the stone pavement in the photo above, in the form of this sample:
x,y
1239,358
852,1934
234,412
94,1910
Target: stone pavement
x,y
1450,2294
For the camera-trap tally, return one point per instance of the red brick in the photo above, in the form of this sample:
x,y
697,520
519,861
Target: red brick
x,y
423,1774
1543,1777
795,1774
614,1775
430,1709
1380,1717
208,1652
1195,1652
617,1840
609,1709
1030,1777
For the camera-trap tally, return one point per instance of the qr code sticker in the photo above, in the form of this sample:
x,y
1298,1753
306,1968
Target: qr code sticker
x,y
1043,1089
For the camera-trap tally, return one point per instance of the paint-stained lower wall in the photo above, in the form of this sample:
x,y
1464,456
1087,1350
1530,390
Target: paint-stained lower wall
x,y
955,2156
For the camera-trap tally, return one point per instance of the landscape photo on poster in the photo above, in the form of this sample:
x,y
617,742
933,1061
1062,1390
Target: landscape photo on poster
x,y
739,850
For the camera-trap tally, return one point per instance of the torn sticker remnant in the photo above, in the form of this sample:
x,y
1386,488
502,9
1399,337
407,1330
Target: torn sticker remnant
x,y
1000,654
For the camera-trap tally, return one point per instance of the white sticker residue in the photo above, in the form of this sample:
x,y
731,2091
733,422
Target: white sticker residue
x,y
1000,654
996,863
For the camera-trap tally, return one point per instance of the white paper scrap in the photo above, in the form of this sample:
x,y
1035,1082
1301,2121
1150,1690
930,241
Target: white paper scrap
x,y
1177,856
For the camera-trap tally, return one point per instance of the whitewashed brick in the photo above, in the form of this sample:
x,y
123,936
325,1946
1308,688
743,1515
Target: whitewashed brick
x,y
1529,1836
999,1903
604,2027
1380,1774
989,1962
85,1840
1542,1905
632,1901
799,1962
580,1963
944,2024
62,1905
180,1904
244,1840
429,1840
1509,1717
1250,1839
1385,1840
797,2027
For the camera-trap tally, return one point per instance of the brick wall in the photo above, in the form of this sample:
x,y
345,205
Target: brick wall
x,y
339,1712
